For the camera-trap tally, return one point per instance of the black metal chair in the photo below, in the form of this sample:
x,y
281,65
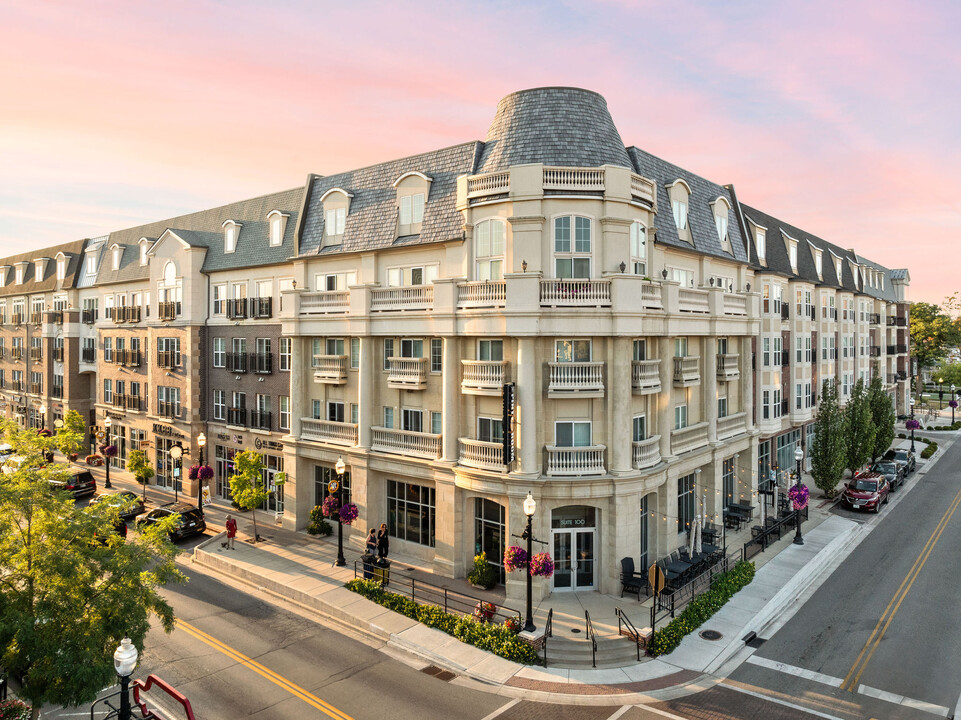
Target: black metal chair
x,y
631,580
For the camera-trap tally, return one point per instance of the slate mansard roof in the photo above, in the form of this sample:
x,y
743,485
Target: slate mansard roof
x,y
33,284
205,229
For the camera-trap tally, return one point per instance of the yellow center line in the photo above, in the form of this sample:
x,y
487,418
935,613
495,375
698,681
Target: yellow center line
x,y
851,679
265,672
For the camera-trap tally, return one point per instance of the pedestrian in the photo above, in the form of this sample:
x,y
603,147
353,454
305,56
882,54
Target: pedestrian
x,y
231,531
383,542
372,542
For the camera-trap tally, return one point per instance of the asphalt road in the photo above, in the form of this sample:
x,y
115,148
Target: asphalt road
x,y
880,638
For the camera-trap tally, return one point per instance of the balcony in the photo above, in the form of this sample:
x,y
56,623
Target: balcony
x,y
16,385
689,438
563,179
328,301
407,373
58,354
36,354
168,410
36,318
575,461
874,319
260,420
406,442
902,321
892,349
875,351
892,378
237,309
329,431
482,294
119,401
16,353
410,297
261,307
575,293
693,300
645,376
484,377
902,349
646,453
262,363
167,311
57,317
576,378
117,314
330,369
3,318
36,388
727,366
237,416
785,311
17,318
730,425
132,402
892,320
735,304
88,355
132,314
686,371
57,392
88,316
129,358
481,455
236,362
168,359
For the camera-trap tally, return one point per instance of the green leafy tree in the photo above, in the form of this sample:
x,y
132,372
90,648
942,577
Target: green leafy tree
x,y
933,332
247,484
882,416
70,588
139,465
829,449
949,374
70,438
860,429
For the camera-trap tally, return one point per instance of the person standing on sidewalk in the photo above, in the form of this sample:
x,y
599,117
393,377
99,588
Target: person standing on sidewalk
x,y
383,542
231,531
372,542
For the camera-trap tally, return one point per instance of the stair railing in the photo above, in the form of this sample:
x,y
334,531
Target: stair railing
x,y
592,637
626,627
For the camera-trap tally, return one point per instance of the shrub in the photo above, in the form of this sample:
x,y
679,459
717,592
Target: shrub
x,y
498,639
318,525
483,575
701,608
929,451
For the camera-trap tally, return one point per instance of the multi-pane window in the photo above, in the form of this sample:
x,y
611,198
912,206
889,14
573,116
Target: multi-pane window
x,y
336,219
572,247
680,416
411,511
490,250
722,407
436,423
490,350
412,420
220,405
354,413
169,347
436,355
316,408
680,347
168,400
766,404
776,353
685,501
335,411
766,351
639,350
572,351
285,354
639,428
108,350
490,429
411,275
680,214
798,396
412,209
388,352
220,352
354,353
388,417
220,299
410,348
572,433
638,249
776,396
107,390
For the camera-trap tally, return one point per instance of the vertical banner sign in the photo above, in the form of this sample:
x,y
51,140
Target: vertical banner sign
x,y
508,423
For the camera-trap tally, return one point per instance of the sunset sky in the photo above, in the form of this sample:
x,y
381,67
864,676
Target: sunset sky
x,y
843,118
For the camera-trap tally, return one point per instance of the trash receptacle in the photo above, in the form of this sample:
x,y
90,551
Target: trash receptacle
x,y
382,571
369,562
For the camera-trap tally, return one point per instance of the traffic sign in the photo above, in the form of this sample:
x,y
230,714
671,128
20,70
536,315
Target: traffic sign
x,y
101,435
333,486
655,576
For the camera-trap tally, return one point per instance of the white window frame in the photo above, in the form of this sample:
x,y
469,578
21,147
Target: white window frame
x,y
489,251
638,264
572,249
220,352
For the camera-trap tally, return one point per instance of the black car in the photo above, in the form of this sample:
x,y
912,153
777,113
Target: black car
x,y
129,503
902,456
188,519
79,481
892,471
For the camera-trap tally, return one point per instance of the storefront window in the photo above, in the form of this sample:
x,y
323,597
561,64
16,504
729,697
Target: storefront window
x,y
489,533
224,468
411,512
322,477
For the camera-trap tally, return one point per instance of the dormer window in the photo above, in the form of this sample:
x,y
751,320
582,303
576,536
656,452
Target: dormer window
x,y
336,203
760,240
116,253
721,213
21,269
413,189
334,222
412,209
792,253
39,268
278,224
680,214
61,268
3,275
144,247
818,263
680,194
231,234
837,269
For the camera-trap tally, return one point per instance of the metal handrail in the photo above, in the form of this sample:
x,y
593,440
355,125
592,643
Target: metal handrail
x,y
629,629
548,631
592,637
764,539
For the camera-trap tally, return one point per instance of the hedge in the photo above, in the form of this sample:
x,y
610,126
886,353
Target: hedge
x,y
701,608
929,450
498,639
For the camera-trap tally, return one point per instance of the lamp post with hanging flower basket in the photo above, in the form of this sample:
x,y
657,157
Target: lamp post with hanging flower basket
x,y
516,558
798,495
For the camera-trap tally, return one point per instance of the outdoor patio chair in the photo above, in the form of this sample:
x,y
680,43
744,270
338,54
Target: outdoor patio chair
x,y
630,580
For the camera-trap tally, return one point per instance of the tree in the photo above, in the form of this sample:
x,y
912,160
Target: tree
x,y
247,484
860,430
139,465
882,416
70,588
829,449
933,332
69,438
950,373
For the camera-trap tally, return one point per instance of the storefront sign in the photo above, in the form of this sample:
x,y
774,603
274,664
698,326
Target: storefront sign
x,y
115,416
166,431
571,522
268,444
223,436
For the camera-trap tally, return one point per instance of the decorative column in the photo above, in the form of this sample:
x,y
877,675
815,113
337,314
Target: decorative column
x,y
526,398
451,399
665,404
365,394
747,380
299,373
709,382
619,390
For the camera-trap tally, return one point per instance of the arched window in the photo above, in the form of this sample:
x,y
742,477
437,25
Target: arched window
x,y
489,249
170,274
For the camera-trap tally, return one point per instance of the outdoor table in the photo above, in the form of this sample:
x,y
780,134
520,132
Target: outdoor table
x,y
745,508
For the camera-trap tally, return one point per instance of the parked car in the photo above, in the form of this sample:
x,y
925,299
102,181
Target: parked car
x,y
892,471
129,503
188,519
79,481
902,455
867,491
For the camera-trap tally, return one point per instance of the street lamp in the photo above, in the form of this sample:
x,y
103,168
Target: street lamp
x,y
911,402
177,453
940,394
340,467
107,422
124,662
953,403
43,415
201,441
798,456
529,507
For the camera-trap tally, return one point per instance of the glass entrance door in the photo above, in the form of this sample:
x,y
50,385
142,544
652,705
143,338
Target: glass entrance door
x,y
574,563
563,562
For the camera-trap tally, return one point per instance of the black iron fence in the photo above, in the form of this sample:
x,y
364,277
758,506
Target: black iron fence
x,y
763,537
672,600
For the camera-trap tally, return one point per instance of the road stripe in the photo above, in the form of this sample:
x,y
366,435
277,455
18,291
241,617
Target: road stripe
x,y
794,670
854,674
265,672
778,701
620,711
502,709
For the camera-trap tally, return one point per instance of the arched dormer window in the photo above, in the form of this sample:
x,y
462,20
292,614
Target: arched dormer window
x,y
277,224
413,191
61,266
680,194
116,253
144,245
231,235
722,210
336,208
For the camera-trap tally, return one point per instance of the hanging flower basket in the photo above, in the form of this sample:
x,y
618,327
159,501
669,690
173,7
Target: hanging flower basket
x,y
542,565
799,496
43,432
192,472
109,450
913,424
205,473
348,513
952,403
331,506
515,558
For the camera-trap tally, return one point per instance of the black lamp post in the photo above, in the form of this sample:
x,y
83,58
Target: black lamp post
x,y
124,662
953,403
201,441
529,507
911,402
340,467
107,422
177,453
940,394
798,456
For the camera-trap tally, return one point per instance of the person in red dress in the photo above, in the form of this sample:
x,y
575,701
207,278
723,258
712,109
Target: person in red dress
x,y
231,532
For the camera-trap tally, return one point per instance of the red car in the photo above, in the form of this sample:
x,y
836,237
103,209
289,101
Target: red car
x,y
867,491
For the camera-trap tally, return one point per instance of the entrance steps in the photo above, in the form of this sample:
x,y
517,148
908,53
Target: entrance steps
x,y
612,652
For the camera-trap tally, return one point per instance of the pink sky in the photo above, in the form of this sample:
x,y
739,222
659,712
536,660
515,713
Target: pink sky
x,y
839,117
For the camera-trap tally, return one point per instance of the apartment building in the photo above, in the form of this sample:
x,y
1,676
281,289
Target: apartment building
x,y
546,311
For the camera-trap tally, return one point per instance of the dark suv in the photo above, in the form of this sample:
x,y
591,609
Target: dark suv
x,y
892,471
80,482
189,520
905,457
